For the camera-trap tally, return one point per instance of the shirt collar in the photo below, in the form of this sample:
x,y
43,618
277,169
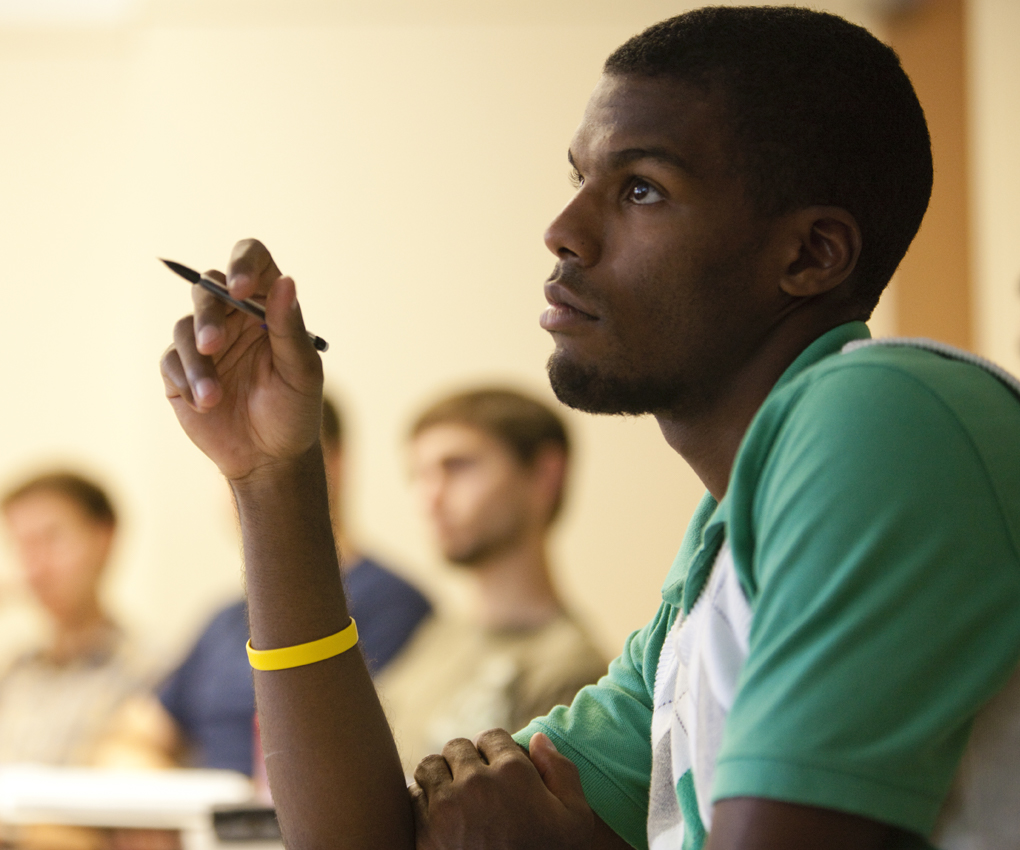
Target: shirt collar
x,y
704,533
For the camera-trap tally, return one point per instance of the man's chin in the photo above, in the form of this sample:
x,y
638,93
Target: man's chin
x,y
466,557
590,391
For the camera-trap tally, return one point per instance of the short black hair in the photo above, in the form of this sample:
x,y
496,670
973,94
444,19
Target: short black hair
x,y
91,499
820,110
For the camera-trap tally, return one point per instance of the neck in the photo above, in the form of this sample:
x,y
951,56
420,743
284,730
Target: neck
x,y
709,436
514,590
87,630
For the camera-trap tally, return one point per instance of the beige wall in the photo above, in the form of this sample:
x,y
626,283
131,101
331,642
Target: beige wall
x,y
994,66
934,292
402,161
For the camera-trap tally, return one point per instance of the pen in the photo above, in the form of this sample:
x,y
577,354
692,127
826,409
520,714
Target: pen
x,y
253,308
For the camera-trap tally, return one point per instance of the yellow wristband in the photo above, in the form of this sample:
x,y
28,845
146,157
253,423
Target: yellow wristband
x,y
304,653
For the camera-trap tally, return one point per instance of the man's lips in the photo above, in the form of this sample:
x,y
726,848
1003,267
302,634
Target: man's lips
x,y
565,310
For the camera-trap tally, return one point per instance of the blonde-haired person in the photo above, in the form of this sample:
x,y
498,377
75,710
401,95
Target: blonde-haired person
x,y
489,468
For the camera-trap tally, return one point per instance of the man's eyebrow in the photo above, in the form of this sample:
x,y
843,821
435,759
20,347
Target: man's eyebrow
x,y
619,159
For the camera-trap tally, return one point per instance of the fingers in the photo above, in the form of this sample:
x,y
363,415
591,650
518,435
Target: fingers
x,y
461,754
210,316
497,744
174,379
420,807
187,373
490,794
459,757
559,773
431,772
189,370
251,270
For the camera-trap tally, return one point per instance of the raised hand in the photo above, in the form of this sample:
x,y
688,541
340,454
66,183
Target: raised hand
x,y
250,398
492,796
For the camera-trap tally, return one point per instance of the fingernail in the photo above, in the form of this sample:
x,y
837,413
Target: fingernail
x,y
206,336
546,739
205,388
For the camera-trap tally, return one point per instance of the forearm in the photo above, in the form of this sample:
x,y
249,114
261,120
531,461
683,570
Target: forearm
x,y
332,763
747,823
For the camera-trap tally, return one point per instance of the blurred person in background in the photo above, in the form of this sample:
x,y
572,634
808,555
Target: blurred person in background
x,y
489,468
203,713
56,701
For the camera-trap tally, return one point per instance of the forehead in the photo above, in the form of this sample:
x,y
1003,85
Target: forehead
x,y
451,439
658,114
44,509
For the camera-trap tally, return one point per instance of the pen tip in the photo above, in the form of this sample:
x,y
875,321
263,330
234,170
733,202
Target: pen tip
x,y
182,270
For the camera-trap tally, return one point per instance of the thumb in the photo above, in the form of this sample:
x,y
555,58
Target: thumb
x,y
292,349
420,807
557,771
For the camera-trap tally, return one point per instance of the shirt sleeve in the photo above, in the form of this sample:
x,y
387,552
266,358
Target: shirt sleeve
x,y
606,732
885,587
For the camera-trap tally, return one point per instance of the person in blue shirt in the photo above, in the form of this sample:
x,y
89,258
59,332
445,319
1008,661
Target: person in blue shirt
x,y
205,709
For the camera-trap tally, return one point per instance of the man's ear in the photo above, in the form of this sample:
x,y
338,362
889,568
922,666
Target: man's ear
x,y
549,471
824,245
106,534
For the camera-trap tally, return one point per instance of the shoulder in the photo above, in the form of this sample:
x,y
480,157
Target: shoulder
x,y
881,411
230,620
226,632
870,452
370,579
566,635
899,383
436,637
562,650
218,649
137,663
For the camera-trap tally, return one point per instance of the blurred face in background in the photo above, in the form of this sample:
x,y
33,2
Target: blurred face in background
x,y
61,550
477,497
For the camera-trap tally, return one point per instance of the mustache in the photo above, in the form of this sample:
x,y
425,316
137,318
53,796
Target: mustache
x,y
569,276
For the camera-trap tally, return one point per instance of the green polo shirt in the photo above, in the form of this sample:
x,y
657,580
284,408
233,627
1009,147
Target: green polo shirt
x,y
873,514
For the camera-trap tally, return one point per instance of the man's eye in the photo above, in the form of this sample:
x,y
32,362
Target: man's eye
x,y
642,192
576,180
458,464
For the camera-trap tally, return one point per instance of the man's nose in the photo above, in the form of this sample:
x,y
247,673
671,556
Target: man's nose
x,y
575,234
430,494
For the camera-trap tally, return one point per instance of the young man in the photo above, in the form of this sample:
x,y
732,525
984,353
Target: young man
x,y
55,702
488,467
832,665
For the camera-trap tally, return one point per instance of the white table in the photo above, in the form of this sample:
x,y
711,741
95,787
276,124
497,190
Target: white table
x,y
140,799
